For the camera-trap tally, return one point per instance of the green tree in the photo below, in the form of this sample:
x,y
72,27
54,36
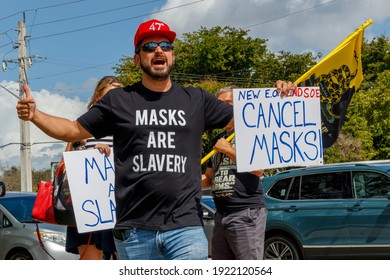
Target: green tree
x,y
376,104
11,178
127,72
283,66
375,59
224,54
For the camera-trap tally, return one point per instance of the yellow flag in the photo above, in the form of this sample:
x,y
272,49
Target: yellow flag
x,y
338,75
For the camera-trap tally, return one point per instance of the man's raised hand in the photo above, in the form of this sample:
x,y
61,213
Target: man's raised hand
x,y
26,106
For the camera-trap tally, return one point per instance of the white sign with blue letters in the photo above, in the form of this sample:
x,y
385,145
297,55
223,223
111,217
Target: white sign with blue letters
x,y
91,177
273,132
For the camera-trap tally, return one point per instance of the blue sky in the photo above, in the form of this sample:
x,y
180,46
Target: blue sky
x,y
76,42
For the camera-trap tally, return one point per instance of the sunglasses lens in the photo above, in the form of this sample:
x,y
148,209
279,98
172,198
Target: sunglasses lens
x,y
151,46
166,46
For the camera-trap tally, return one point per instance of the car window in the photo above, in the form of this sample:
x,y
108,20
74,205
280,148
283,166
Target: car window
x,y
6,223
294,190
332,185
20,207
368,184
280,188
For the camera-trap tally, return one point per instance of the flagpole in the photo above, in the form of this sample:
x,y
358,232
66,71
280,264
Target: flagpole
x,y
209,155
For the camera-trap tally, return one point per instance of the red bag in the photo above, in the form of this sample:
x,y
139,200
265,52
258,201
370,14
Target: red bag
x,y
43,209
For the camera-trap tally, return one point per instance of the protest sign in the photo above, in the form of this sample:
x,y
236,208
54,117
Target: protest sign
x,y
273,132
91,177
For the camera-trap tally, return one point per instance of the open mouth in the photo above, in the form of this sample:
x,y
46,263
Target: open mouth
x,y
158,61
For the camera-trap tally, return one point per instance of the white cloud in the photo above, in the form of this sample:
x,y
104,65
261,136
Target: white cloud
x,y
290,25
41,154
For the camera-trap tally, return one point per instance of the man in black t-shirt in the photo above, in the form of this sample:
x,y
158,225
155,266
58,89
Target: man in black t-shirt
x,y
157,128
241,214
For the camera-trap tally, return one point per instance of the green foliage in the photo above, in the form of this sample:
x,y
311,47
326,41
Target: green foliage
x,y
11,178
224,54
377,114
375,59
127,72
284,66
346,148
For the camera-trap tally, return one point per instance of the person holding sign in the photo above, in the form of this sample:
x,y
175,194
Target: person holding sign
x,y
157,127
241,214
95,245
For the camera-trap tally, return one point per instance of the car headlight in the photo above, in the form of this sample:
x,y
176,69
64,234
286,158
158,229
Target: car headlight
x,y
55,237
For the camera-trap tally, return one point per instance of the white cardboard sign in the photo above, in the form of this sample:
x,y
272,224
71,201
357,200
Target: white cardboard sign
x,y
273,132
91,177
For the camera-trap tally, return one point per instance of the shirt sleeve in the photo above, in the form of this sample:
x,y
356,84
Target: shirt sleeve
x,y
98,120
217,113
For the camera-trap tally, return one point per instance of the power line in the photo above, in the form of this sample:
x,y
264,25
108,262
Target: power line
x,y
42,8
72,71
93,14
100,25
32,144
3,87
113,22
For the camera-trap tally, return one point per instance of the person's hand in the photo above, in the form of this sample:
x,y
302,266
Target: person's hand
x,y
222,145
26,106
284,88
103,148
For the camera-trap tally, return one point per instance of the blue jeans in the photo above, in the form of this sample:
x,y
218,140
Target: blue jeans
x,y
187,243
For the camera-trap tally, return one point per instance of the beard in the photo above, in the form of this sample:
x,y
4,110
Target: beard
x,y
159,75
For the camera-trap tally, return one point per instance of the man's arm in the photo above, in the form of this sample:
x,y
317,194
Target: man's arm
x,y
207,178
56,127
224,146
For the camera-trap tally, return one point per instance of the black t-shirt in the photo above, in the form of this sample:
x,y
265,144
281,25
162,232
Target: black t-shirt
x,y
157,151
233,191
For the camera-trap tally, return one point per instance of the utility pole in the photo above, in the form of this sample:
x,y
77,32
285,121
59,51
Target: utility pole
x,y
25,146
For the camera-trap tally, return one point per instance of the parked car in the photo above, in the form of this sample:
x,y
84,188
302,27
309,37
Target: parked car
x,y
18,232
334,211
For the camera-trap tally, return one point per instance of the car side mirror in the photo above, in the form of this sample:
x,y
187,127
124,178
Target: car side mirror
x,y
2,189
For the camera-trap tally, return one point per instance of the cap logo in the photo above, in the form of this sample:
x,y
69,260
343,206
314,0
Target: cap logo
x,y
156,26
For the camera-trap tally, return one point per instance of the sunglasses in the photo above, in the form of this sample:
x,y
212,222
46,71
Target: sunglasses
x,y
152,46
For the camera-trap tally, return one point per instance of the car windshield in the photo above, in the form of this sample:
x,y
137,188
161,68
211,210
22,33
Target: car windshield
x,y
20,207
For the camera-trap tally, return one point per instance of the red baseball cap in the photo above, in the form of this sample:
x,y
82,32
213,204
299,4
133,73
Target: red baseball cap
x,y
153,27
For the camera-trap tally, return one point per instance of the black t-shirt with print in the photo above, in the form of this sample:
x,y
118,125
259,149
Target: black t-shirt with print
x,y
157,151
233,191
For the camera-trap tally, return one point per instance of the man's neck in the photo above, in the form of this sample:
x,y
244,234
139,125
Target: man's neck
x,y
157,86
